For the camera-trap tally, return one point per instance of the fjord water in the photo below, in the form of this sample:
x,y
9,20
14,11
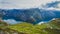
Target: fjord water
x,y
33,15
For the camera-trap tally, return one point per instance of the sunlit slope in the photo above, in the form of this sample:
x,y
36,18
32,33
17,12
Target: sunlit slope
x,y
52,27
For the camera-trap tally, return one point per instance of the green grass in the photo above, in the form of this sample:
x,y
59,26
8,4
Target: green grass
x,y
53,27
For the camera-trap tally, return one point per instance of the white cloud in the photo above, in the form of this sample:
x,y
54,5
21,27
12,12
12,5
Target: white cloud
x,y
11,21
22,3
41,23
51,8
58,5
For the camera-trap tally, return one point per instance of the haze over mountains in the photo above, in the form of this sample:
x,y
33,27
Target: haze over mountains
x,y
32,15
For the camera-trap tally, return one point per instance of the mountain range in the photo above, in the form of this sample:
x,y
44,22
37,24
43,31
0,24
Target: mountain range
x,y
32,15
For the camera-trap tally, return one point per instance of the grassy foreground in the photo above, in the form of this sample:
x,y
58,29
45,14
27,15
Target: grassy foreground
x,y
53,27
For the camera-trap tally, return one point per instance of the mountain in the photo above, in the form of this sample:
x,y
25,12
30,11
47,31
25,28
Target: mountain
x,y
32,15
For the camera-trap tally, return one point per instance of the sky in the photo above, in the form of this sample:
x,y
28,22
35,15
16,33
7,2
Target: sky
x,y
9,4
25,4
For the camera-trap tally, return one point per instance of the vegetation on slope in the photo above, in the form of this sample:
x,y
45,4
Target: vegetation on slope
x,y
53,27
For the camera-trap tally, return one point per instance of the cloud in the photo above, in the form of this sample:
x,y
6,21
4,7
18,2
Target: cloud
x,y
52,6
11,21
41,23
22,3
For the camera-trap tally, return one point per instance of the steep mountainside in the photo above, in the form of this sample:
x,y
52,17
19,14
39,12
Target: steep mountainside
x,y
33,15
